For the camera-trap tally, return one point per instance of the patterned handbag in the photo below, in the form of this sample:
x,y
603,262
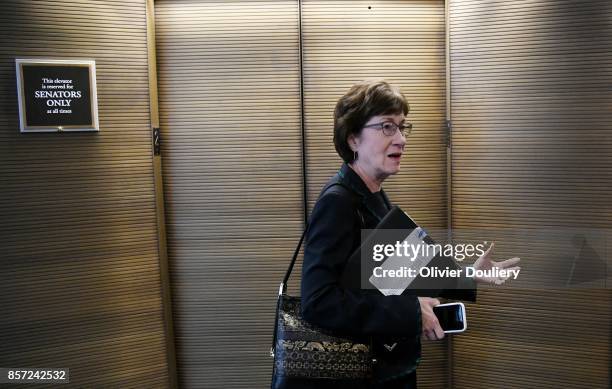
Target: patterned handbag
x,y
302,351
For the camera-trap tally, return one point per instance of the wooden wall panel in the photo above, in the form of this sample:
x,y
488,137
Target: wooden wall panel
x,y
230,122
531,148
402,41
80,283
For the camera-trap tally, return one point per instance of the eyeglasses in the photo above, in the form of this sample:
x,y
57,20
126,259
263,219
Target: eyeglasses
x,y
389,128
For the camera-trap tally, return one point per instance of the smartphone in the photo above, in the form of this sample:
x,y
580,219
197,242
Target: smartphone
x,y
451,317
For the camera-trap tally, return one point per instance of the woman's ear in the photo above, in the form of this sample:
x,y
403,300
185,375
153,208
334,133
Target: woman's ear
x,y
353,142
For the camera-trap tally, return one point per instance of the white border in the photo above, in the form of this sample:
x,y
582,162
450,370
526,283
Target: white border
x,y
92,89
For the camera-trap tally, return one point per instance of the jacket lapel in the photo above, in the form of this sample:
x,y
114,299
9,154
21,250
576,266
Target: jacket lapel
x,y
351,179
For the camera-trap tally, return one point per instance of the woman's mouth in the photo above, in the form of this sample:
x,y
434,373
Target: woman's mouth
x,y
395,156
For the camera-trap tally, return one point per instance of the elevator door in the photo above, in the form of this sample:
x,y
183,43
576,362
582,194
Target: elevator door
x,y
230,111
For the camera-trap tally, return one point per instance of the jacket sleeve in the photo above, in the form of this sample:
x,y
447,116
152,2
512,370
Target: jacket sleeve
x,y
465,288
455,288
352,311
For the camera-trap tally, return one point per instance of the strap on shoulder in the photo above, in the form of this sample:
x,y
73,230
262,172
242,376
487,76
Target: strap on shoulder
x,y
283,286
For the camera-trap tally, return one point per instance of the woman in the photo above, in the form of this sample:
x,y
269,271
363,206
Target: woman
x,y
370,132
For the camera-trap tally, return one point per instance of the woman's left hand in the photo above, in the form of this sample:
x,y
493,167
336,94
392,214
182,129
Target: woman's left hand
x,y
486,263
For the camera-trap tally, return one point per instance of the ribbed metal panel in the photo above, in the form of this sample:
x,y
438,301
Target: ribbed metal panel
x,y
230,120
402,41
531,119
80,283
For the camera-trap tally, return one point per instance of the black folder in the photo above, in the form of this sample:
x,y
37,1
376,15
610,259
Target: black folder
x,y
394,227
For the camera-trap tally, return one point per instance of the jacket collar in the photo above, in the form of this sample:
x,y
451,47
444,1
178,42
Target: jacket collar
x,y
350,178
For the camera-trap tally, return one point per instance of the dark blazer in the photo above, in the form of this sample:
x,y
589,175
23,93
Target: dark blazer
x,y
345,206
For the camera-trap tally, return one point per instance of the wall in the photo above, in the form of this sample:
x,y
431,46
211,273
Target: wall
x,y
230,108
80,280
230,122
80,274
531,117
349,41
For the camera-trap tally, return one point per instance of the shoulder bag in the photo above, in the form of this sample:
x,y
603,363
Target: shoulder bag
x,y
304,351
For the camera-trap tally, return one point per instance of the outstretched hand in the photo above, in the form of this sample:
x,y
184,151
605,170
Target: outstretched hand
x,y
486,263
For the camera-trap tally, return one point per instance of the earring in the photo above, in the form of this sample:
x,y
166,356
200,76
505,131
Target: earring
x,y
355,155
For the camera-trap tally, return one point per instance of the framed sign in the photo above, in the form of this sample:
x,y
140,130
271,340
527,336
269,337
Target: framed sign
x,y
57,95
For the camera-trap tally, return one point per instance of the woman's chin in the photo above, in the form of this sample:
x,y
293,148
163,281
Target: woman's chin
x,y
393,169
390,172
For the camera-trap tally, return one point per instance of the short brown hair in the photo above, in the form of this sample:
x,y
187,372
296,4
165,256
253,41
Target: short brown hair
x,y
358,105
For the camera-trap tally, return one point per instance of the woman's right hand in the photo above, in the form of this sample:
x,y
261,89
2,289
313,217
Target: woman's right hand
x,y
431,327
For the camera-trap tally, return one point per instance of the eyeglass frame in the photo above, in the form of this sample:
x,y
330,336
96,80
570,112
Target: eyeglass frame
x,y
401,127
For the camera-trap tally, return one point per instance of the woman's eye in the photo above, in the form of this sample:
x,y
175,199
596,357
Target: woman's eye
x,y
387,126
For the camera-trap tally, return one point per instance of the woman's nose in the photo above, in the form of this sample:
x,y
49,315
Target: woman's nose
x,y
399,138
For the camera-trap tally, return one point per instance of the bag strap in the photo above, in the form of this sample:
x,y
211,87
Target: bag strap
x,y
283,286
